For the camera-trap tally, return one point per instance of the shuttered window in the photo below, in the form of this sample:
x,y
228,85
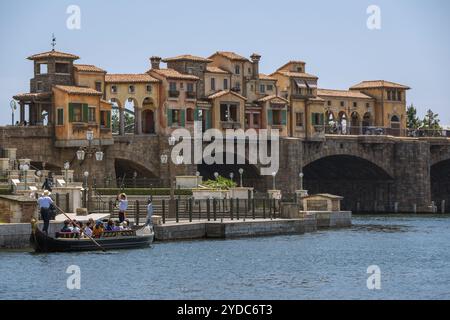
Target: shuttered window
x,y
76,112
60,117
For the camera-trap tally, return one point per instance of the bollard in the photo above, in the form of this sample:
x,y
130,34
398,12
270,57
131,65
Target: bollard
x,y
215,209
237,208
136,211
264,208
164,211
68,203
270,209
190,209
443,207
208,209
375,205
253,209
231,209
177,218
358,206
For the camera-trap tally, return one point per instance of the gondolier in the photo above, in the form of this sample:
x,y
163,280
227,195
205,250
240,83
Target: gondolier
x,y
123,206
44,204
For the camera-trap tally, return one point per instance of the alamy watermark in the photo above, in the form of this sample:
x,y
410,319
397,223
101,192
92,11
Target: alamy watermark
x,y
73,22
374,280
232,146
74,280
374,19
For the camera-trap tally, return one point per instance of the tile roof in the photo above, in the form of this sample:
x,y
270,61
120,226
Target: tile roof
x,y
271,97
230,55
88,68
296,74
379,84
216,70
342,94
129,78
78,90
291,62
173,74
224,92
33,96
263,76
53,54
187,57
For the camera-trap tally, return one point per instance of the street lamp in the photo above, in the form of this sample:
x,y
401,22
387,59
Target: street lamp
x,y
241,172
301,175
66,167
274,174
216,175
165,160
231,176
24,168
85,182
90,152
197,174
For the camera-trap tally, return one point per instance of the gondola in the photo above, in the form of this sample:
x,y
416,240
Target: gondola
x,y
138,237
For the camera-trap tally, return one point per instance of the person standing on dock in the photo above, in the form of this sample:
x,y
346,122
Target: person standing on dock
x,y
149,212
44,204
123,206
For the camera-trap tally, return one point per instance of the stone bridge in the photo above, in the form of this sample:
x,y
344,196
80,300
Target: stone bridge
x,y
373,173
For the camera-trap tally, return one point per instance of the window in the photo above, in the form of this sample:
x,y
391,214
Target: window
x,y
310,91
38,86
367,105
277,117
190,87
175,116
42,68
299,119
262,88
228,112
149,88
389,95
91,114
190,70
62,68
173,86
60,117
225,84
131,89
299,69
317,119
342,104
250,71
329,103
256,119
190,115
181,85
213,84
269,87
298,90
105,119
237,69
355,104
75,112
113,89
98,86
238,86
399,96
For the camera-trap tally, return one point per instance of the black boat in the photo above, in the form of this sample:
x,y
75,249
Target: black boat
x,y
138,237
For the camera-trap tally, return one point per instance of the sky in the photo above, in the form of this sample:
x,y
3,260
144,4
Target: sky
x,y
412,47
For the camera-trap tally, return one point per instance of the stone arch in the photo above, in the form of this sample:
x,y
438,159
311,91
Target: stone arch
x,y
362,183
395,125
126,169
132,111
148,116
343,122
355,123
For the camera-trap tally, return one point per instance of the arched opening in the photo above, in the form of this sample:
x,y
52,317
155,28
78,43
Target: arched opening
x,y
342,122
148,116
251,176
115,115
355,124
440,184
366,122
364,185
131,108
395,126
130,174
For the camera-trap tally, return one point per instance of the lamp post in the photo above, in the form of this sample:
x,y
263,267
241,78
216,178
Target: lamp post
x,y
216,175
241,172
66,168
274,174
85,187
165,159
301,175
24,168
231,176
81,155
135,174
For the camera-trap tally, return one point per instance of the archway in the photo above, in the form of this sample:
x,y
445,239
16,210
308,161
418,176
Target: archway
x,y
131,111
343,128
131,174
440,184
115,115
363,184
148,116
395,126
366,122
355,126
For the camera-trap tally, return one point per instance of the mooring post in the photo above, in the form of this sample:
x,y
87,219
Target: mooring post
x,y
264,208
177,210
443,207
208,209
215,209
395,207
414,208
190,209
237,208
231,209
164,211
136,210
375,205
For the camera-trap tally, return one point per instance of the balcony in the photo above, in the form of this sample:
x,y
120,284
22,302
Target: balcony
x,y
190,95
174,94
230,125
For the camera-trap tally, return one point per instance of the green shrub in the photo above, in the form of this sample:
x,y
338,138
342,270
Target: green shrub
x,y
5,191
221,183
143,191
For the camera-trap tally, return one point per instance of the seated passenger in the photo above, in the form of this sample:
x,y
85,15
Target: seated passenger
x,y
110,225
87,230
67,227
125,225
98,230
76,227
118,226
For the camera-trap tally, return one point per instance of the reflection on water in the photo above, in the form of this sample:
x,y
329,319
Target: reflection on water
x,y
411,251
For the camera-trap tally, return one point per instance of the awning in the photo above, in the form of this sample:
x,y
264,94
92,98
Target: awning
x,y
300,83
312,84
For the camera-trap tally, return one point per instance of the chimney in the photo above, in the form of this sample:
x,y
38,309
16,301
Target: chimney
x,y
255,61
155,61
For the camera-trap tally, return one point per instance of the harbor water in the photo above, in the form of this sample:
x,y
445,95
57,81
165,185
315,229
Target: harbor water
x,y
412,253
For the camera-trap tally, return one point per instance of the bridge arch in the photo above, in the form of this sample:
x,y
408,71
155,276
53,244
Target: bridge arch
x,y
440,183
362,183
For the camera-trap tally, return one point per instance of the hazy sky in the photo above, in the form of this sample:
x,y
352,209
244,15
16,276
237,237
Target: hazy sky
x,y
412,47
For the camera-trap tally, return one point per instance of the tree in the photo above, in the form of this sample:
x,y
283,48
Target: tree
x,y
129,122
413,121
431,124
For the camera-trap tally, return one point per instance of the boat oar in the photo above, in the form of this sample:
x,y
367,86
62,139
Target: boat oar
x,y
90,238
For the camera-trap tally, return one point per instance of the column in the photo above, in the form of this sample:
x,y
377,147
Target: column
x,y
138,114
22,112
121,121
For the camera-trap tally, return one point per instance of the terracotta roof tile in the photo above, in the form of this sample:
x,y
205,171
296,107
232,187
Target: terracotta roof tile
x,y
33,96
263,76
224,92
78,90
216,70
341,94
379,84
187,57
230,55
130,78
173,74
88,68
296,74
53,54
271,97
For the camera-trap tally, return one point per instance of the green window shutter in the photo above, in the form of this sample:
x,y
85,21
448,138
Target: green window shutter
x,y
169,117
71,115
321,119
85,112
313,119
196,114
183,118
270,117
207,114
284,118
108,119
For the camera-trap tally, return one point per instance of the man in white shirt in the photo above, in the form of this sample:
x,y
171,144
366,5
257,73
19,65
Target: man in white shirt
x,y
44,204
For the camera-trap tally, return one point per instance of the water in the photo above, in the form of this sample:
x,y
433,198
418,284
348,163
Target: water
x,y
412,252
